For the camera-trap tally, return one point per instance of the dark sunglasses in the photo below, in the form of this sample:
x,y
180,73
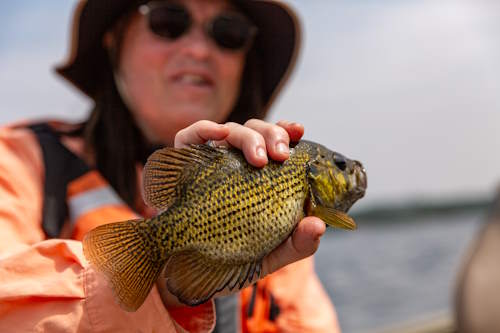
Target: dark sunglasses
x,y
229,30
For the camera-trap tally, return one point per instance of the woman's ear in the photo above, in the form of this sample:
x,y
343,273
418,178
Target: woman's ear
x,y
108,41
110,45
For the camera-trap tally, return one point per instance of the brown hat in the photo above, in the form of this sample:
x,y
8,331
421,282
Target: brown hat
x,y
278,42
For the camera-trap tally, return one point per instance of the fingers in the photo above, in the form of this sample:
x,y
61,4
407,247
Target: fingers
x,y
250,142
200,132
303,243
295,130
276,138
257,139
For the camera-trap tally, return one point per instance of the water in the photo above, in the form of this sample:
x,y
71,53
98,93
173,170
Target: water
x,y
389,273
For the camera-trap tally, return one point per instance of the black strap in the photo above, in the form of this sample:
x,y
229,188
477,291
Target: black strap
x,y
274,309
227,311
61,167
251,304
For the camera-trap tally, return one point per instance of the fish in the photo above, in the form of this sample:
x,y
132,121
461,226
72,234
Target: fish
x,y
219,217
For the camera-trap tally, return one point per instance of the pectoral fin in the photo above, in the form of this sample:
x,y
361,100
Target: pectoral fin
x,y
334,218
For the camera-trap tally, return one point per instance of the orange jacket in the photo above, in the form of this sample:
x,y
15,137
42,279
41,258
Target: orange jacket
x,y
47,285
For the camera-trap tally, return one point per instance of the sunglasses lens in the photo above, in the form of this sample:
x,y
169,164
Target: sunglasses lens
x,y
169,21
231,31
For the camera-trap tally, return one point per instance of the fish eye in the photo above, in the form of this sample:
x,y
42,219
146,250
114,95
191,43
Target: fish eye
x,y
340,161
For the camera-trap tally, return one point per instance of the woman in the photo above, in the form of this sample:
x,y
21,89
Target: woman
x,y
160,73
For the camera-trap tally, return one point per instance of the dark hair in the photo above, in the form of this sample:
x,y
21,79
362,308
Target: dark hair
x,y
116,142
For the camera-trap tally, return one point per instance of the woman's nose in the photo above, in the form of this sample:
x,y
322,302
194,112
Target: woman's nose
x,y
197,44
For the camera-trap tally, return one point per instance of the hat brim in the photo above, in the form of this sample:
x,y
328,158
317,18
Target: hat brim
x,y
278,42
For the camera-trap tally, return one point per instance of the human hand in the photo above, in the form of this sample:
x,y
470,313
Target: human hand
x,y
257,139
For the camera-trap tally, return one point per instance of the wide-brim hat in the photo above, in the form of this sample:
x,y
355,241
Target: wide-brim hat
x,y
278,42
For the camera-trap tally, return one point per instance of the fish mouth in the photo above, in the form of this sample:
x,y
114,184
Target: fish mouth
x,y
359,179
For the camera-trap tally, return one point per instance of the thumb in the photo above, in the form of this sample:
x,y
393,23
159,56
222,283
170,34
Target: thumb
x,y
303,243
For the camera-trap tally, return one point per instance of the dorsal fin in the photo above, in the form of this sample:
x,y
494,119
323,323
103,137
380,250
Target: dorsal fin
x,y
167,168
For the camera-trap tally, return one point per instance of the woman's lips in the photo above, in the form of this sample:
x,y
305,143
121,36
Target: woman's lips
x,y
194,79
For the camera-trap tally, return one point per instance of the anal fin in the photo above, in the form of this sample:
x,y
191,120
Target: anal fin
x,y
194,278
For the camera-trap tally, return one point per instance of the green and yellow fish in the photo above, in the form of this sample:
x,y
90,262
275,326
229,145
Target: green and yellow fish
x,y
220,217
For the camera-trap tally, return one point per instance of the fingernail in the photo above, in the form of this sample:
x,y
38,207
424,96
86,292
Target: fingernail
x,y
261,152
282,148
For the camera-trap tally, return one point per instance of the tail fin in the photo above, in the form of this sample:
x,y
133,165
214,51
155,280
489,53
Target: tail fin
x,y
118,251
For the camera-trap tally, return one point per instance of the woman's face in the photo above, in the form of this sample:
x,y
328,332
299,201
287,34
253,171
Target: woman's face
x,y
169,84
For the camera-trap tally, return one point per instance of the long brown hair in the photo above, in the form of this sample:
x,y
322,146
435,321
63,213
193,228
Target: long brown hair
x,y
116,142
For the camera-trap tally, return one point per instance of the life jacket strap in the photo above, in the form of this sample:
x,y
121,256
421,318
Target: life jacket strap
x,y
61,167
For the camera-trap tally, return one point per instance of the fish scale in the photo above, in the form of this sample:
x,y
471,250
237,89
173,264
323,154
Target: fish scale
x,y
256,184
219,218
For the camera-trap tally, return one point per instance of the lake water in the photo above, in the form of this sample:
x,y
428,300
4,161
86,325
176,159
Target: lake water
x,y
386,274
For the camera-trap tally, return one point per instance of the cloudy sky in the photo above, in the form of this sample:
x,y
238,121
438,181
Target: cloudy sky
x,y
411,87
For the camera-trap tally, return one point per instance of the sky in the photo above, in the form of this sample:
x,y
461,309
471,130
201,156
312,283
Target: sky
x,y
411,88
